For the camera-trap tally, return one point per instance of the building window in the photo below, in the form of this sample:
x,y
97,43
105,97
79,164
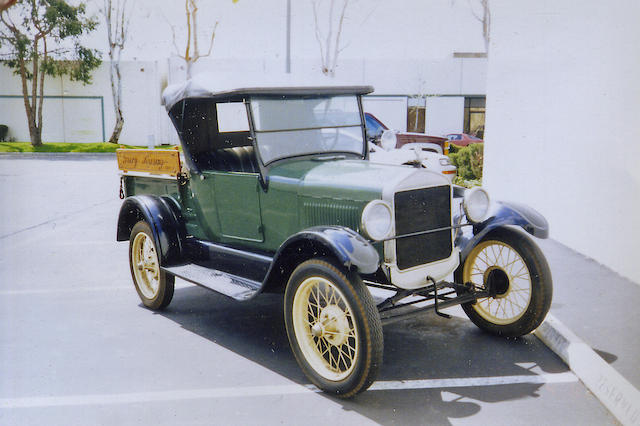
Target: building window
x,y
474,111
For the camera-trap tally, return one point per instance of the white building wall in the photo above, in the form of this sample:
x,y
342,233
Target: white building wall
x,y
391,110
444,115
562,121
73,112
402,48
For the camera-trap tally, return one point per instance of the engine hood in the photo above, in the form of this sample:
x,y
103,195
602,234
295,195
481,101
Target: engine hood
x,y
351,179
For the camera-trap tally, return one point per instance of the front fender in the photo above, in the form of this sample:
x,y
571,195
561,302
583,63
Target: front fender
x,y
162,215
348,247
503,214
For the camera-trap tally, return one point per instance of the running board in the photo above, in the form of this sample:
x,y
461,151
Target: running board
x,y
236,287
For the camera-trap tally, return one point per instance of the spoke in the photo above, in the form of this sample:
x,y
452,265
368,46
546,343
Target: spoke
x,y
346,357
324,296
339,358
519,273
493,252
524,299
504,308
352,348
322,343
500,255
332,360
483,260
510,264
310,314
514,303
332,297
317,296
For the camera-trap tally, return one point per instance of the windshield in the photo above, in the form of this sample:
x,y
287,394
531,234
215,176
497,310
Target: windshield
x,y
301,126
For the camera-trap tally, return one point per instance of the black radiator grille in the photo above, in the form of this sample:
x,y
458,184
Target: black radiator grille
x,y
422,210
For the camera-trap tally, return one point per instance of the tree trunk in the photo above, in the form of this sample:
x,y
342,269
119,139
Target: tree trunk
x,y
117,128
116,90
35,133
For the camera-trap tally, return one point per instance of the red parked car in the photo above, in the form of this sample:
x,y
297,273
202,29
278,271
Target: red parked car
x,y
375,128
463,139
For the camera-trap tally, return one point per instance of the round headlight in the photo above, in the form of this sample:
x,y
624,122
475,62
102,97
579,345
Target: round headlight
x,y
476,204
388,140
377,220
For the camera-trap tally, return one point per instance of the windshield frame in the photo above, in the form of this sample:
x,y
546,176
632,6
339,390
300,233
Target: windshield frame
x,y
363,154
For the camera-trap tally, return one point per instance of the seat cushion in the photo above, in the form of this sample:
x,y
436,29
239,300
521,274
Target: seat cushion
x,y
237,159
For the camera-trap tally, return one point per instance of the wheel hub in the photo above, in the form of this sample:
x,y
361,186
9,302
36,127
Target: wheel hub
x,y
497,282
317,330
333,325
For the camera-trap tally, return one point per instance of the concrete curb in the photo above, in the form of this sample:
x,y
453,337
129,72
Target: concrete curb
x,y
620,397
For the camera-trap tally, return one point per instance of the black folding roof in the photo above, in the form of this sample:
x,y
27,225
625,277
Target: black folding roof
x,y
201,88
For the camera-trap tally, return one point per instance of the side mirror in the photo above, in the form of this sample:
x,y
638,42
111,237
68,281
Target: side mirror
x,y
388,140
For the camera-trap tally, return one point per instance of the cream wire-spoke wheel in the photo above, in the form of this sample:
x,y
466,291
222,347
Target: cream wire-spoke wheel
x,y
514,272
154,287
333,327
323,322
497,266
146,267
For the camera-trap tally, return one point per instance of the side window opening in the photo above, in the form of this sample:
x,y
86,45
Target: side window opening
x,y
233,150
217,136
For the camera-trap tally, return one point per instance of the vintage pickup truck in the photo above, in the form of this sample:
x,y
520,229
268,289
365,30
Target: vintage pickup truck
x,y
275,193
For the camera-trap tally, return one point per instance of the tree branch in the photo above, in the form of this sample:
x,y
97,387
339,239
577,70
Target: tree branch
x,y
187,58
318,35
213,34
337,45
329,34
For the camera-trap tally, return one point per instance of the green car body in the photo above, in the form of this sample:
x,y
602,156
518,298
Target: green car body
x,y
277,194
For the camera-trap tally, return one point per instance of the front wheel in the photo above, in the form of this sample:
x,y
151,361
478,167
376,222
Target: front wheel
x,y
508,265
154,286
333,327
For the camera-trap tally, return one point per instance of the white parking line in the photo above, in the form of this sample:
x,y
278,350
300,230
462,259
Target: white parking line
x,y
28,292
32,291
239,392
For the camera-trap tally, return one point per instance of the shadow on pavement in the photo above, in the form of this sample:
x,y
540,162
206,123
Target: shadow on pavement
x,y
429,347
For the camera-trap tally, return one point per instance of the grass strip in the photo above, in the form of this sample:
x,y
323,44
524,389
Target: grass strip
x,y
69,147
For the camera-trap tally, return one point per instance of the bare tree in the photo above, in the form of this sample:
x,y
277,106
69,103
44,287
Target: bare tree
x,y
115,16
329,42
192,50
485,19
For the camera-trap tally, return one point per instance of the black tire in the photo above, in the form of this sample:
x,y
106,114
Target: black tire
x,y
154,286
334,328
517,273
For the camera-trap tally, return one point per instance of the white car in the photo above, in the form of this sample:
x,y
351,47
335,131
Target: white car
x,y
423,146
412,157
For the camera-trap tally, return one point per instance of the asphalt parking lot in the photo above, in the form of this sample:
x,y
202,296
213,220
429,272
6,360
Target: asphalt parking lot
x,y
77,346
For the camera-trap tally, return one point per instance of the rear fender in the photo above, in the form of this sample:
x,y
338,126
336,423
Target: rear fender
x,y
163,216
503,214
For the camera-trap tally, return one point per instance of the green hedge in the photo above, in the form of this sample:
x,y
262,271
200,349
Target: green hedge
x,y
468,160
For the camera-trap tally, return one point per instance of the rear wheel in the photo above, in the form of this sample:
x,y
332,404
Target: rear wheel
x,y
333,327
514,271
154,286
